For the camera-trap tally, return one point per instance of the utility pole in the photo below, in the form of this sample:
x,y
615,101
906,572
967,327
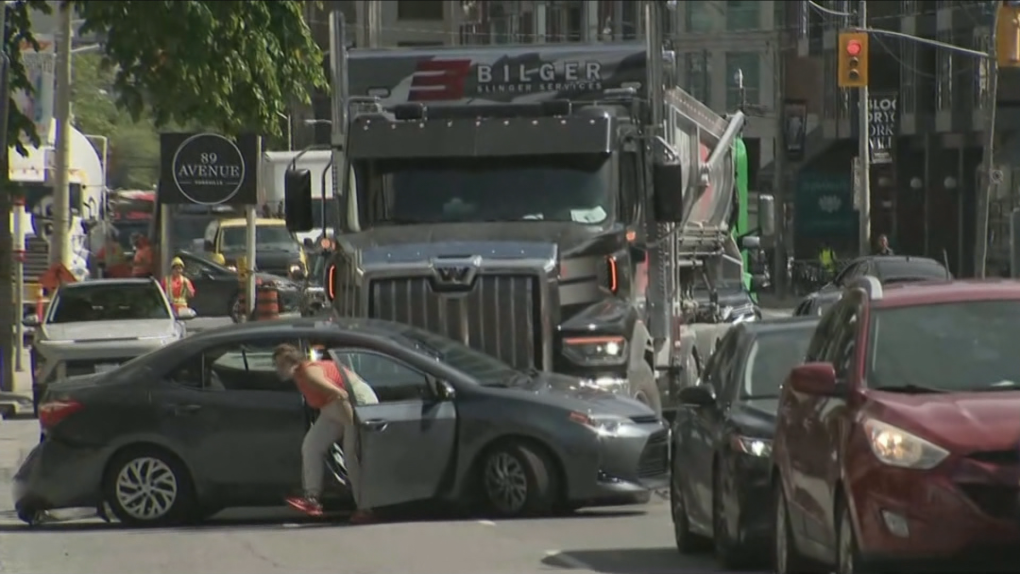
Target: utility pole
x,y
864,151
373,22
779,169
8,314
1010,53
60,246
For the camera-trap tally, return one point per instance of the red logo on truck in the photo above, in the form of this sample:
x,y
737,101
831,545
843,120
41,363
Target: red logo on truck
x,y
439,80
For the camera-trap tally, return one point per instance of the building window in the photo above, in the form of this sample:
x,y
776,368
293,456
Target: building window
x,y
944,74
699,73
701,16
749,65
743,15
908,76
431,10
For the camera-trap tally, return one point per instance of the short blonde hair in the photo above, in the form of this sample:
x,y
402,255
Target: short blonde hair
x,y
289,353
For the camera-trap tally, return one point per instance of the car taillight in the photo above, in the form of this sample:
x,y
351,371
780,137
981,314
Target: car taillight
x,y
52,412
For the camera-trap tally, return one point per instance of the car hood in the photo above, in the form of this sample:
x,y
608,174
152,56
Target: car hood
x,y
756,417
961,422
110,330
569,393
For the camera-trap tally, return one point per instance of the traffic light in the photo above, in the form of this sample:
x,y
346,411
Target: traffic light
x,y
853,60
1007,35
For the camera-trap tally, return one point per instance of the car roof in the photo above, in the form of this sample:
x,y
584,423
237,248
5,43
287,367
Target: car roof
x,y
935,292
107,283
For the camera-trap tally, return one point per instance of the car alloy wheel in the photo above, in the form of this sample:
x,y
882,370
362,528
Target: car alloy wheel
x,y
506,483
146,489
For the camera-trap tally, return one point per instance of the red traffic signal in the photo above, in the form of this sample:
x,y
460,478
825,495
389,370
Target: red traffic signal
x,y
853,48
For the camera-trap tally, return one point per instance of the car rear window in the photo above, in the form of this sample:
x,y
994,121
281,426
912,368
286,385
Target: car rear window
x,y
772,357
103,302
903,270
960,346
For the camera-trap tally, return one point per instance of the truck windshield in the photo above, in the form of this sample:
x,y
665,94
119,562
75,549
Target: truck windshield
x,y
448,190
265,236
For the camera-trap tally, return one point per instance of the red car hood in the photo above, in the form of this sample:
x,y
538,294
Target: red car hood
x,y
960,422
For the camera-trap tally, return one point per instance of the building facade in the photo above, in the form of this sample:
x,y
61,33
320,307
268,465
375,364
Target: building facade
x,y
927,198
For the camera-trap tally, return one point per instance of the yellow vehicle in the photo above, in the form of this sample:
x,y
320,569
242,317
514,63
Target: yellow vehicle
x,y
277,250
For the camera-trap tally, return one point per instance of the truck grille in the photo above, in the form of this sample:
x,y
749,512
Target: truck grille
x,y
654,459
498,316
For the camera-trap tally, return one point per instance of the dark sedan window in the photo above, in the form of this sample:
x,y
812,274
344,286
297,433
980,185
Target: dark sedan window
x,y
117,302
244,366
770,360
963,346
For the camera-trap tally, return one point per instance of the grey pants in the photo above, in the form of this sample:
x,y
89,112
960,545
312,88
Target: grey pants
x,y
329,428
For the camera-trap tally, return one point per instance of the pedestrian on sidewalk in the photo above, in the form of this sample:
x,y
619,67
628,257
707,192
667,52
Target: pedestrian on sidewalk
x,y
324,389
883,246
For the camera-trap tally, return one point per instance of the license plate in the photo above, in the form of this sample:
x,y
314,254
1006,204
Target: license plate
x,y
106,367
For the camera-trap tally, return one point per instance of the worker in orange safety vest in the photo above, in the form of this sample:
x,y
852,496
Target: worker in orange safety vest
x,y
142,264
178,288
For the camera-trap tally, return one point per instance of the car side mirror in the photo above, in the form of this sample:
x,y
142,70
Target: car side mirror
x,y
445,391
297,193
767,215
816,379
750,242
697,396
30,321
186,314
668,193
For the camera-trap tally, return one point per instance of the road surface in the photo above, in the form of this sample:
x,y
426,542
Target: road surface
x,y
624,540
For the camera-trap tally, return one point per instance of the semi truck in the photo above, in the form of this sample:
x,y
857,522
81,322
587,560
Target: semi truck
x,y
553,206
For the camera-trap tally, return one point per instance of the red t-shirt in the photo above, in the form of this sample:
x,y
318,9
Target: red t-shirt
x,y
313,396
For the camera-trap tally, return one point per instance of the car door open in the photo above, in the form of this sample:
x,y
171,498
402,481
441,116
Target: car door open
x,y
406,440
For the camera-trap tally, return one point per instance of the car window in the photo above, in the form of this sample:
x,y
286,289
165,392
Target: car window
x,y
804,308
960,346
770,359
723,367
240,366
846,273
389,379
823,332
842,347
108,302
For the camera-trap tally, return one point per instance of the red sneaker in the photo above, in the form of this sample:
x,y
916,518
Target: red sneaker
x,y
309,506
362,517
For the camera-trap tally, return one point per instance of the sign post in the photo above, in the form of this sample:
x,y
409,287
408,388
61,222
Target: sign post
x,y
212,170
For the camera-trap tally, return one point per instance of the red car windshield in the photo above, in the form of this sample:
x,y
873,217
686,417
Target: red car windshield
x,y
952,347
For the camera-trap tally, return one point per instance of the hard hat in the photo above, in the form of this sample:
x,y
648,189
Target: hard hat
x,y
177,262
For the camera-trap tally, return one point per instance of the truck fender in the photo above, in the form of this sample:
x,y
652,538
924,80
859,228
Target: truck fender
x,y
640,368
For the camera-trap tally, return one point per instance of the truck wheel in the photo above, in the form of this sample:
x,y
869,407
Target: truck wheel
x,y
518,480
642,384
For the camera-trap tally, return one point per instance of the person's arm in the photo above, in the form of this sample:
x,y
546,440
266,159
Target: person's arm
x,y
317,377
191,287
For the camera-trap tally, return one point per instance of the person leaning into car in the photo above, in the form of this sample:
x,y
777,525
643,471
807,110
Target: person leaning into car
x,y
325,389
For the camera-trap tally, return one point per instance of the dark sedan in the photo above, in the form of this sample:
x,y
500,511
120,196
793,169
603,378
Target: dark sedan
x,y
217,292
816,303
722,442
206,424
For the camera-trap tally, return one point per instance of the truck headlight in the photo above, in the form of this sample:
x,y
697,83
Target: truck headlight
x,y
595,350
897,447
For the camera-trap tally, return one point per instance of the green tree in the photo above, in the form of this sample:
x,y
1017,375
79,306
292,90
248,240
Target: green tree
x,y
228,65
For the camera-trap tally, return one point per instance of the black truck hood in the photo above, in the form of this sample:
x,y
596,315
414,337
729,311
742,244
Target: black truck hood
x,y
543,240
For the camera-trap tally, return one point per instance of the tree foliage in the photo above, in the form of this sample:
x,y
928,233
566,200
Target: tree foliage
x,y
228,65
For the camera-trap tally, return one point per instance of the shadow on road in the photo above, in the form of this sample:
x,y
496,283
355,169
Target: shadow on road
x,y
631,561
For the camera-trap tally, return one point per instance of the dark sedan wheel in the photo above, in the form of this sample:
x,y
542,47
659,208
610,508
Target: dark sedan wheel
x,y
687,542
149,487
518,480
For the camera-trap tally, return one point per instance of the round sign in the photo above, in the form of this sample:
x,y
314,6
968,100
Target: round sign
x,y
208,169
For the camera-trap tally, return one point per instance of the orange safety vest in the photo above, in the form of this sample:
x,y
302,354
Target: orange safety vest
x,y
116,255
142,263
178,291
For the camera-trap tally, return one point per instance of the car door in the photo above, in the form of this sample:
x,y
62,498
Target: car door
x,y
240,424
405,439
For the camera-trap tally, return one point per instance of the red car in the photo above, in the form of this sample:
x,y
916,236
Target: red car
x,y
898,440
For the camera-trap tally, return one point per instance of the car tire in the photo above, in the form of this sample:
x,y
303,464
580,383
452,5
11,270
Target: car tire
x,y
687,542
644,387
148,486
517,479
786,559
729,553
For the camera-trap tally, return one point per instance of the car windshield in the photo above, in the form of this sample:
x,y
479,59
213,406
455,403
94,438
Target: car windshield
x,y
266,236
485,369
527,188
103,302
964,346
772,357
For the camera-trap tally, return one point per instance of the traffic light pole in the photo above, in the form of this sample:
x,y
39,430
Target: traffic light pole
x,y
864,153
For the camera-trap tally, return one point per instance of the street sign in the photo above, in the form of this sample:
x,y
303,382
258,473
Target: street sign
x,y
208,169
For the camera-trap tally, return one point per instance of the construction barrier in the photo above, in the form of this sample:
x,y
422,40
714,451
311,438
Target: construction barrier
x,y
267,304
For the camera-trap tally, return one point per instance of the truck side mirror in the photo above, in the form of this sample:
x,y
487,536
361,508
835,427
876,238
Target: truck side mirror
x,y
668,193
767,215
297,194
